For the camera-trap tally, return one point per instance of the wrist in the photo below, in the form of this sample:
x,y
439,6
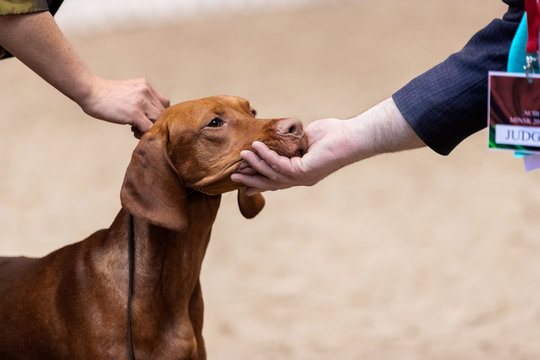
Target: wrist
x,y
358,138
381,129
85,90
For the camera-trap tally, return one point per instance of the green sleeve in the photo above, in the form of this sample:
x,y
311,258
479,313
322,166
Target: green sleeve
x,y
16,7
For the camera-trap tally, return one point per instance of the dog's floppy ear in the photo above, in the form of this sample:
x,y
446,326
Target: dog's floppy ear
x,y
250,206
152,187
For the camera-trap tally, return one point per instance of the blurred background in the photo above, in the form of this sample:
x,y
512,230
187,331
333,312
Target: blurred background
x,y
403,256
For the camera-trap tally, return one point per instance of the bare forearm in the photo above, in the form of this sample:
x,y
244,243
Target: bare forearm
x,y
36,40
381,129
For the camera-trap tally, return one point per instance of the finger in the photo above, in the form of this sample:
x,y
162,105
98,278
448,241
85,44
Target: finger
x,y
263,150
162,100
152,106
142,123
248,170
253,181
152,112
250,191
258,164
278,163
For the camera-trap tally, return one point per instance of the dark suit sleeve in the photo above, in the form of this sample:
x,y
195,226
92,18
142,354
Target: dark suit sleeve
x,y
449,102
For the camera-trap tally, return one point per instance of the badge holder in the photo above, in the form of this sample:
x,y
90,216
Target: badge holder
x,y
514,96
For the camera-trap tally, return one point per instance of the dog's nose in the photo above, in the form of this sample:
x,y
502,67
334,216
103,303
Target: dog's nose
x,y
290,127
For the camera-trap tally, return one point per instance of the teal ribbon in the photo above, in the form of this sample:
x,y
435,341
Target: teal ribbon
x,y
517,53
517,57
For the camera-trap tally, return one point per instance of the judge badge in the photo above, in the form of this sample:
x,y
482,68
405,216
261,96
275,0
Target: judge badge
x,y
514,96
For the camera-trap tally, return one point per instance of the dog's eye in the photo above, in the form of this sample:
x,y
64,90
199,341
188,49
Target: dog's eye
x,y
216,122
254,112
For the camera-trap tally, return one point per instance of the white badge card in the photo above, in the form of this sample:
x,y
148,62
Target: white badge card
x,y
514,112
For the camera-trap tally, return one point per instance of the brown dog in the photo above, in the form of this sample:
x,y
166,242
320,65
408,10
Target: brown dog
x,y
72,303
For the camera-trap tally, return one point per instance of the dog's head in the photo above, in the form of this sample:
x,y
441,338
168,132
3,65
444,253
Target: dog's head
x,y
196,145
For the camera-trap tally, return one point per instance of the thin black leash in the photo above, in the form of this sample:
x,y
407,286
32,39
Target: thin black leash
x,y
131,260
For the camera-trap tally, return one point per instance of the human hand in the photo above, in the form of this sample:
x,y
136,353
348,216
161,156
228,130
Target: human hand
x,y
328,150
134,102
37,41
332,144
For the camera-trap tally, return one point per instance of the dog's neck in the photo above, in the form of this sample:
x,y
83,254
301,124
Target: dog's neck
x,y
167,263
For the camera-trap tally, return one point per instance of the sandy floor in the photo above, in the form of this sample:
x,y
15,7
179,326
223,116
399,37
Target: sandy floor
x,y
404,256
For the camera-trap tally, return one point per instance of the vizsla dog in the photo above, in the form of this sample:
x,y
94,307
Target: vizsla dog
x,y
72,303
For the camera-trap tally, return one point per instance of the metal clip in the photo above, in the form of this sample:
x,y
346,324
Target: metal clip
x,y
529,68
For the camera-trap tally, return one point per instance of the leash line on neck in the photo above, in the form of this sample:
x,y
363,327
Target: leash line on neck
x,y
131,261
